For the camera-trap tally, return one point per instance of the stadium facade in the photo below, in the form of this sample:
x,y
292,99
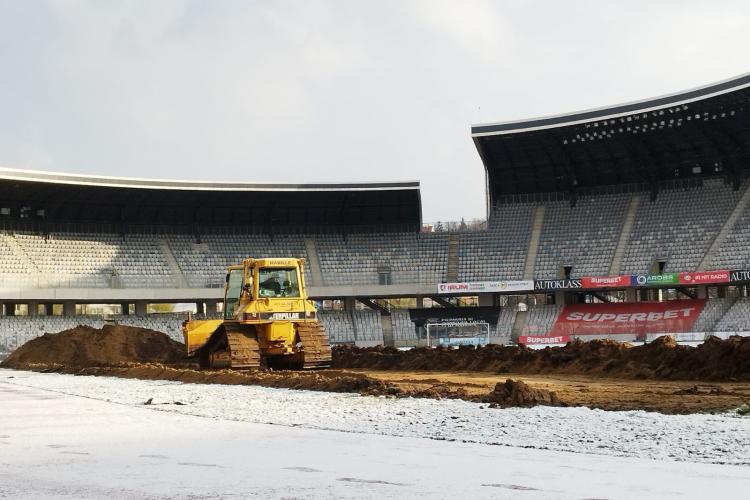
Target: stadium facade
x,y
633,204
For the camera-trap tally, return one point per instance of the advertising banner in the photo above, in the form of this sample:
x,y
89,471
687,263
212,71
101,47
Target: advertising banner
x,y
655,279
455,315
487,286
557,284
605,281
739,276
628,317
697,278
539,339
700,278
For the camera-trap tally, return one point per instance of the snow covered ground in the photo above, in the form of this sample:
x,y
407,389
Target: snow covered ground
x,y
91,437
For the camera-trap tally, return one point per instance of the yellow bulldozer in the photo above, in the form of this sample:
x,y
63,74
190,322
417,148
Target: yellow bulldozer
x,y
268,321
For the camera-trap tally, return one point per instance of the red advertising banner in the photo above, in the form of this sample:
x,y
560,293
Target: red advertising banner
x,y
704,277
628,317
605,281
538,339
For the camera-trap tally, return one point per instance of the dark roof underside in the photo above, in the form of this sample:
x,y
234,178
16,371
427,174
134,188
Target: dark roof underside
x,y
700,133
48,206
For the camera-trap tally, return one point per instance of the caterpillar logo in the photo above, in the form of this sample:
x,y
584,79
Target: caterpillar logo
x,y
282,316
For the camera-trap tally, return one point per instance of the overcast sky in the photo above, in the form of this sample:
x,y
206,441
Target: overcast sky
x,y
332,91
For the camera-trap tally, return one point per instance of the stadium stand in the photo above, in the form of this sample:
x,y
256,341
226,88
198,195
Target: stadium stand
x,y
353,326
75,260
505,322
16,266
679,226
15,330
539,319
204,264
713,311
404,333
733,253
737,318
582,237
367,326
339,326
382,258
500,252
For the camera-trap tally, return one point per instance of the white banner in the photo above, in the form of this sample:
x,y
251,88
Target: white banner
x,y
487,286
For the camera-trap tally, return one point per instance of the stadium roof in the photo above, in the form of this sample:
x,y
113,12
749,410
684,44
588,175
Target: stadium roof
x,y
32,198
696,133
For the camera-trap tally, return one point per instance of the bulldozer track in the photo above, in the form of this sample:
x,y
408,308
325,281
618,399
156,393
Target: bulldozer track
x,y
315,346
231,346
244,350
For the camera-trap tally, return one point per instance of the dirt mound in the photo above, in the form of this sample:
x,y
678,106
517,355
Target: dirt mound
x,y
130,352
715,359
517,393
84,346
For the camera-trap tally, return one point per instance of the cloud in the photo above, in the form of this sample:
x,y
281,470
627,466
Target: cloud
x,y
476,26
346,90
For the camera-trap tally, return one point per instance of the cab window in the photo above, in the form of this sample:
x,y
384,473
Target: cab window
x,y
234,288
278,282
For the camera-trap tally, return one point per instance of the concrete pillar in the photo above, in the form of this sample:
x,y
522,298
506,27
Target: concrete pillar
x,y
349,303
140,307
10,308
200,308
69,308
211,307
559,297
721,292
49,308
486,299
631,295
124,308
33,308
420,302
702,292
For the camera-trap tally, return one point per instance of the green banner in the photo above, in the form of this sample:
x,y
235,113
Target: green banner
x,y
656,279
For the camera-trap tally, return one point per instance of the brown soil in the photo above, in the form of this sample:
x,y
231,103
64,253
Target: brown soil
x,y
665,396
663,359
84,346
518,393
659,377
324,381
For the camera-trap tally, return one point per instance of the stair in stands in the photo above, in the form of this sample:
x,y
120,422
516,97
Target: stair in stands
x,y
627,229
387,324
518,325
725,230
174,267
313,262
537,221
453,244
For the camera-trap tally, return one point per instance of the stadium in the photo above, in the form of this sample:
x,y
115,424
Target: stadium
x,y
605,229
605,212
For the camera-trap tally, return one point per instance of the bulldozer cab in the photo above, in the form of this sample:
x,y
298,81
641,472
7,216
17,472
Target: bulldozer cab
x,y
265,279
274,282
